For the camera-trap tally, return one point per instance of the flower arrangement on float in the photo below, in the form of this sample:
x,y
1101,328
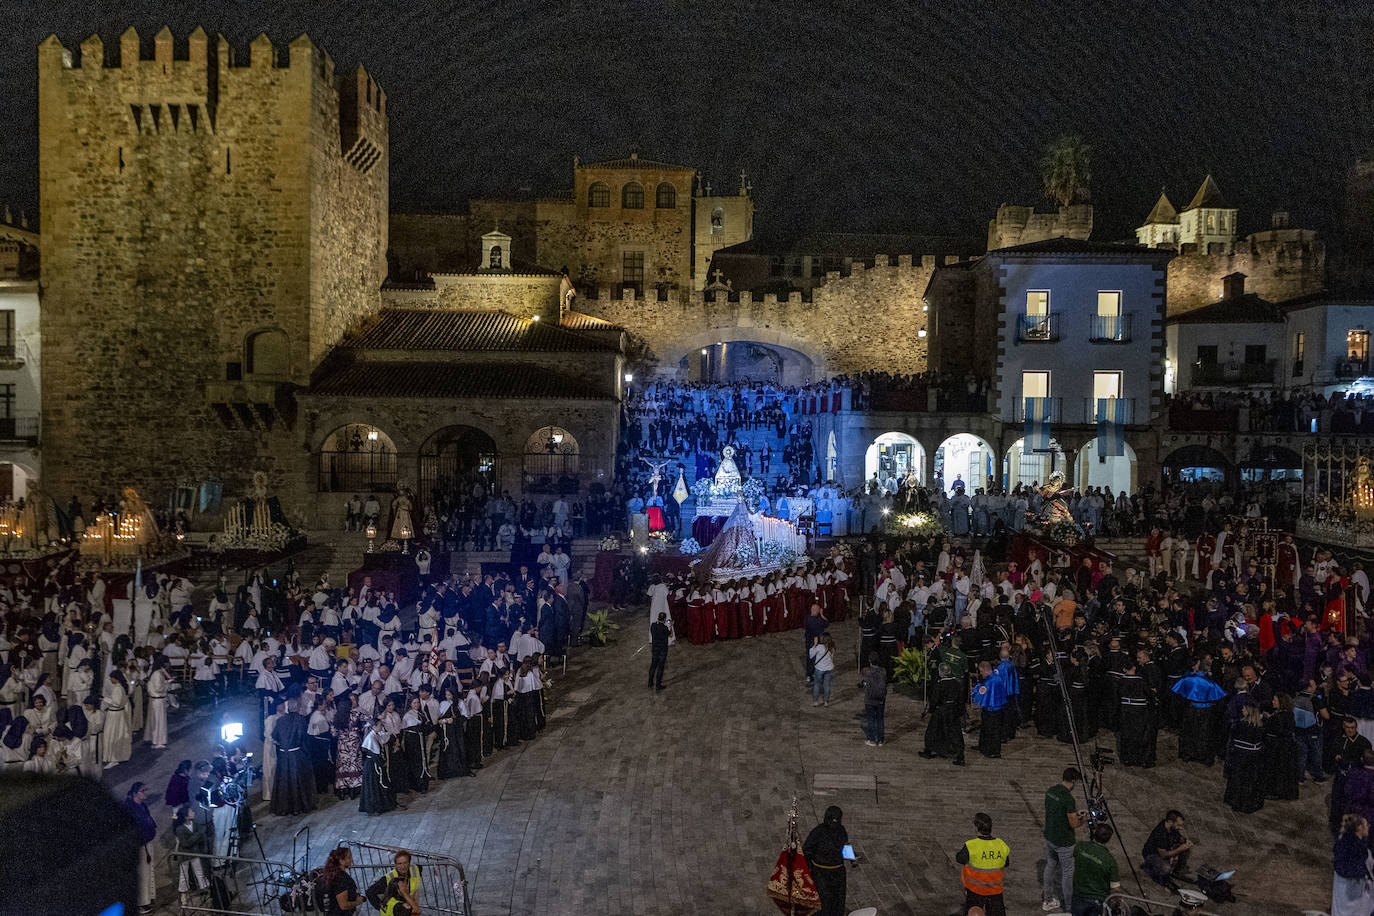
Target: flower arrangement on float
x,y
689,547
1064,531
658,541
266,539
610,544
922,523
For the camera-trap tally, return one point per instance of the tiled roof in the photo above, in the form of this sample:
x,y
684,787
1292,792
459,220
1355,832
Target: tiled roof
x,y
434,329
1208,195
1246,309
1163,212
450,380
1064,245
581,321
634,162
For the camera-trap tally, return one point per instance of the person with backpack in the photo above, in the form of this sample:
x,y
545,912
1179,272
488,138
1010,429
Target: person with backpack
x,y
875,700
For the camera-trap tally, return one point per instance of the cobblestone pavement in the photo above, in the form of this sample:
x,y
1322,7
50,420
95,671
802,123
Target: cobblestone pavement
x,y
636,802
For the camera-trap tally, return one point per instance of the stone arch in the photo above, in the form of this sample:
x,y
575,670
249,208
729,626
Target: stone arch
x,y
357,458
1113,472
551,462
693,343
452,459
267,354
1193,462
959,457
1020,466
895,454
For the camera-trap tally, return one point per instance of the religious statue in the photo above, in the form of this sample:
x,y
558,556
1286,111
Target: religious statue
x,y
262,514
1054,517
401,526
727,475
657,476
1362,491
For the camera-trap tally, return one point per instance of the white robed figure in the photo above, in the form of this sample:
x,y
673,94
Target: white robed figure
x,y
118,742
156,726
658,603
401,526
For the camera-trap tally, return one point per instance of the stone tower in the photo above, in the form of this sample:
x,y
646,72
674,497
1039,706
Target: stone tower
x,y
1207,220
213,221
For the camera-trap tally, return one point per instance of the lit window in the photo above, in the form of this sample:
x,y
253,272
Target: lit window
x,y
1108,303
1038,302
1357,345
1035,384
1106,385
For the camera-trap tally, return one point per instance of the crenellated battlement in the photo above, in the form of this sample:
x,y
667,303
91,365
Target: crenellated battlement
x,y
1278,263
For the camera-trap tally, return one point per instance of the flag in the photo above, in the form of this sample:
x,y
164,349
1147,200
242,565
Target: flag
x,y
1111,417
1037,431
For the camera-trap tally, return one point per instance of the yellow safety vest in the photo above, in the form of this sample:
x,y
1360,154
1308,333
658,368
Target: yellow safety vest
x,y
986,860
389,908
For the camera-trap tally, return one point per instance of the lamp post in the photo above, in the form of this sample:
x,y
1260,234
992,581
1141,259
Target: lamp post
x,y
405,540
371,532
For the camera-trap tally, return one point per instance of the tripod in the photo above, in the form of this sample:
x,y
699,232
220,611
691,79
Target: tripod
x,y
1093,793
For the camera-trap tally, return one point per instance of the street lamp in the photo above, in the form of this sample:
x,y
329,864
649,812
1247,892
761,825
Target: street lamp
x,y
405,540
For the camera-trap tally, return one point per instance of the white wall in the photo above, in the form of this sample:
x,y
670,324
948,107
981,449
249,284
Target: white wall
x,y
1184,338
1071,360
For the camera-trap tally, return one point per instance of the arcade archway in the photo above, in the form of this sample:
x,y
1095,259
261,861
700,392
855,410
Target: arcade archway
x,y
1197,462
963,458
1113,473
732,361
892,456
455,460
1030,467
357,458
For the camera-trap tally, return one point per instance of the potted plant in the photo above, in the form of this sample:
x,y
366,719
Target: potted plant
x,y
600,626
910,668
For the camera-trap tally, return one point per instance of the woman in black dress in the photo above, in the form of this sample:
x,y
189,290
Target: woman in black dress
x,y
1244,763
377,795
452,753
293,786
413,746
1280,751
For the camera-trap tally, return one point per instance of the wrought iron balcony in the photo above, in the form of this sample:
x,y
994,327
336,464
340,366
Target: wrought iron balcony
x,y
1037,328
1110,329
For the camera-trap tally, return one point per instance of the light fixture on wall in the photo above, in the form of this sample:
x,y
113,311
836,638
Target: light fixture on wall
x,y
629,377
372,435
921,332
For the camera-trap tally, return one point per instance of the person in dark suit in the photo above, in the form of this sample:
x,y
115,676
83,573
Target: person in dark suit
x,y
659,633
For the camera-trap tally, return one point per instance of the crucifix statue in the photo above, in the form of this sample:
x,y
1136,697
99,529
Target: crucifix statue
x,y
657,476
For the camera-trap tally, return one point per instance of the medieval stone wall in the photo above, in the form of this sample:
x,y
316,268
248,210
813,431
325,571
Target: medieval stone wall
x,y
425,242
526,295
190,200
1278,264
871,319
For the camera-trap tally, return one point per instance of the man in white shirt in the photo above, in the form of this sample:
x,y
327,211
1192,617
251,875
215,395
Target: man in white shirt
x,y
373,701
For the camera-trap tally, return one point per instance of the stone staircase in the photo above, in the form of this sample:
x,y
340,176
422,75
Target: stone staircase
x,y
1129,551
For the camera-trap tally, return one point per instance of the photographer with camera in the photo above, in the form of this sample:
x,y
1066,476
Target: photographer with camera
x,y
1062,818
1095,872
1166,851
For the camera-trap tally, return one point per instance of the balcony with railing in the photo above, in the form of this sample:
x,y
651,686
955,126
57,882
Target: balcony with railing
x,y
1037,328
1235,373
1110,329
14,353
1051,410
19,430
1120,410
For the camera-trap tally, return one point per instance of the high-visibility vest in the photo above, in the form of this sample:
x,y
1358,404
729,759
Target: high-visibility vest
x,y
389,907
986,860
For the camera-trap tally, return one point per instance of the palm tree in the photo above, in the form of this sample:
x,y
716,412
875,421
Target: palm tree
x,y
1067,169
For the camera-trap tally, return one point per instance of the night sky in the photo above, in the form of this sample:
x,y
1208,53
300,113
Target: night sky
x,y
911,117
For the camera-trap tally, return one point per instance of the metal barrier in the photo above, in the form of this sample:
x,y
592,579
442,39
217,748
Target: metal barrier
x,y
1128,905
443,883
223,885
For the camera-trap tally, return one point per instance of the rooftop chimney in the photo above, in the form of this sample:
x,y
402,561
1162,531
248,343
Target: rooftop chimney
x,y
1233,285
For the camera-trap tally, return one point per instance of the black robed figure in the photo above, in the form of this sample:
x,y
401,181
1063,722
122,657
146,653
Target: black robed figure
x,y
293,787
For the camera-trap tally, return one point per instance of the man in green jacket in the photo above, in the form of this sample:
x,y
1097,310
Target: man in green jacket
x,y
1095,873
